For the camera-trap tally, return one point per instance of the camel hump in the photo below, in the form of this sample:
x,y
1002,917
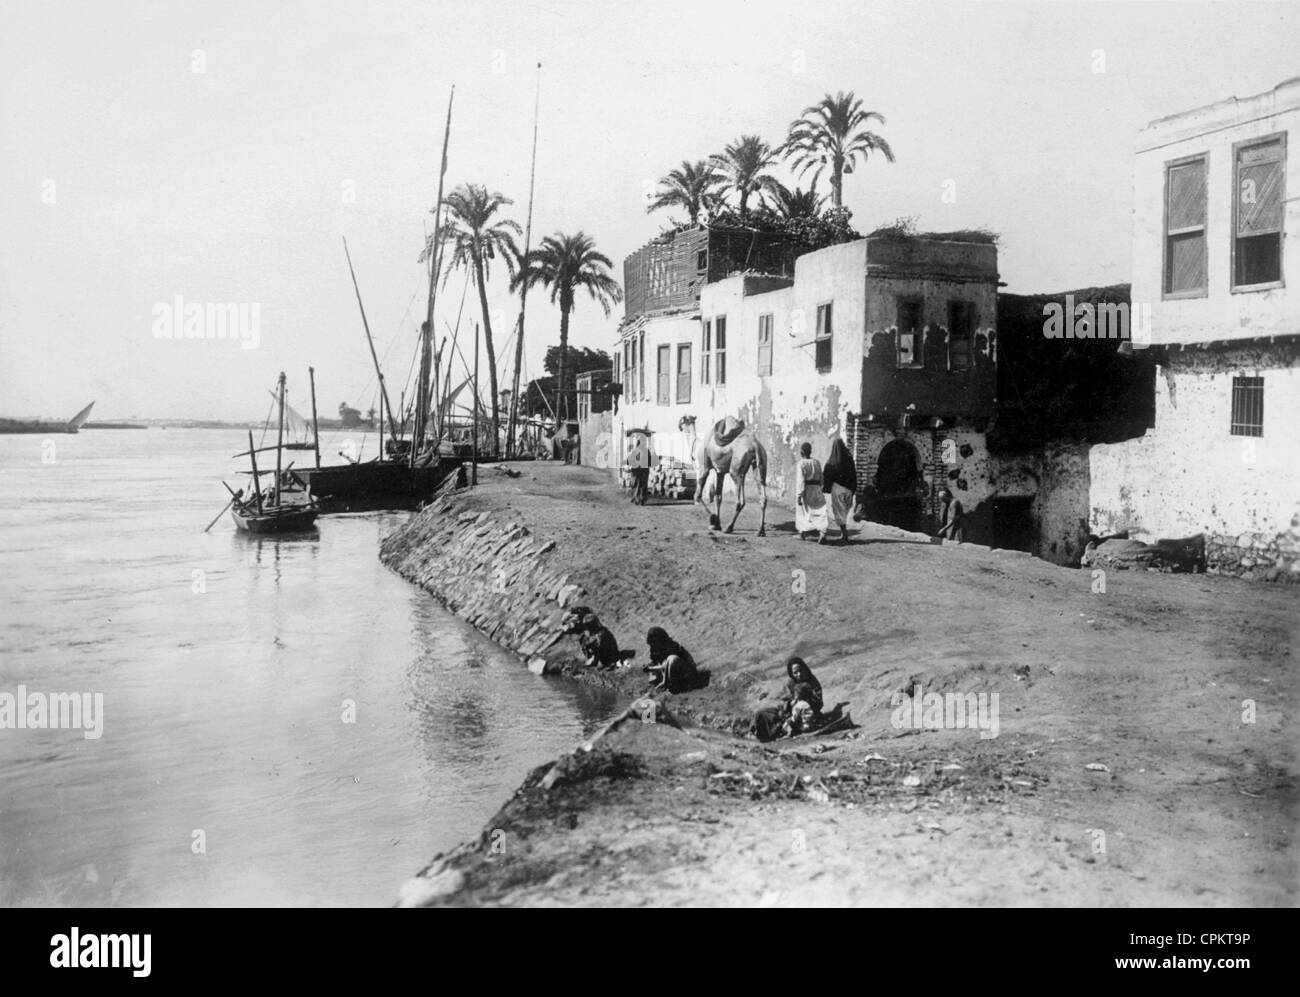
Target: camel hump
x,y
726,430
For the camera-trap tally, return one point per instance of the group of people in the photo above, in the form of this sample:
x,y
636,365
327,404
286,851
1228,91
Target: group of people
x,y
671,667
825,496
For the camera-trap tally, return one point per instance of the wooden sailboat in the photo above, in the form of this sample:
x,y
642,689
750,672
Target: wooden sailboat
x,y
407,471
269,514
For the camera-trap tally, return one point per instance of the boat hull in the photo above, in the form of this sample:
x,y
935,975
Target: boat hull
x,y
376,485
282,520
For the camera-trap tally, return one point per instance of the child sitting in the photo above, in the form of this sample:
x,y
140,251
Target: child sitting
x,y
598,644
802,718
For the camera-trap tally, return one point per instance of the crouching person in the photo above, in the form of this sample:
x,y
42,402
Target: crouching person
x,y
799,710
671,666
599,647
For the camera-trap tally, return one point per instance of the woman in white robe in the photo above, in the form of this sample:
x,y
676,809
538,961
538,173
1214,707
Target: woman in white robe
x,y
810,509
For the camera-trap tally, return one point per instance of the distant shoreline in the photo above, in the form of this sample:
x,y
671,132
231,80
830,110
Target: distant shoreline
x,y
52,425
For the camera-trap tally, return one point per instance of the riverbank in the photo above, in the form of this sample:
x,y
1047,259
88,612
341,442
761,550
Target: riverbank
x,y
1144,752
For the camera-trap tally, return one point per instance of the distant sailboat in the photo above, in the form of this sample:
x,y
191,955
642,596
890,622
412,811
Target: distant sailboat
x,y
80,418
297,429
43,426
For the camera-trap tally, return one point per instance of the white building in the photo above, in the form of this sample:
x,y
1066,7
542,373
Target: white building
x,y
889,342
1216,257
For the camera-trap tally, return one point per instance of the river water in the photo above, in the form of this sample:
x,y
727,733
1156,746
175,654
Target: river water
x,y
283,721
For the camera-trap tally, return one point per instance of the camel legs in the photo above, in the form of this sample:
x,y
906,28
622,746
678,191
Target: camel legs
x,y
740,500
702,476
762,507
715,519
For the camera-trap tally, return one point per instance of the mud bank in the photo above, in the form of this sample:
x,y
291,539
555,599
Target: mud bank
x,y
1126,768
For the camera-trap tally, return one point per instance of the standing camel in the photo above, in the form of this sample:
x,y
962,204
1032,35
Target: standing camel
x,y
732,458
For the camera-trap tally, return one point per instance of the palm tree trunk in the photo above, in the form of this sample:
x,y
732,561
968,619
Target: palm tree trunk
x,y
491,358
561,409
837,181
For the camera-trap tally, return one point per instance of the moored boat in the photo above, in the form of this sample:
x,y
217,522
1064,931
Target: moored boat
x,y
274,519
266,514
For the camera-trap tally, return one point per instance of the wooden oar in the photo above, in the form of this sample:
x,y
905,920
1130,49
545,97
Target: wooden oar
x,y
234,497
218,515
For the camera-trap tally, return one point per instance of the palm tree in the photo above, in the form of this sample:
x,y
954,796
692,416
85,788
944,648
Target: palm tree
x,y
798,203
832,133
744,166
475,238
692,186
565,264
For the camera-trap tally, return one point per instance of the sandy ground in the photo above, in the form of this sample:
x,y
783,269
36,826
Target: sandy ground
x,y
1149,678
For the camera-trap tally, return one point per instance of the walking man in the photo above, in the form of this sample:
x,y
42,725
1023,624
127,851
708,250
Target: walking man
x,y
950,517
640,460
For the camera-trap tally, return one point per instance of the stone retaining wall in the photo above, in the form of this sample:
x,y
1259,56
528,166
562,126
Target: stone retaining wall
x,y
494,574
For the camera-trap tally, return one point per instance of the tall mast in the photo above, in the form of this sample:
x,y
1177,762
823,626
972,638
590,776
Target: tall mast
x,y
426,332
383,397
523,290
315,427
279,442
257,484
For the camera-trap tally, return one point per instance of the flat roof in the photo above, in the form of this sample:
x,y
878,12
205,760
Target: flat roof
x,y
1219,115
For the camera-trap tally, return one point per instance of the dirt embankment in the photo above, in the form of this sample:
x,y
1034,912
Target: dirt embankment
x,y
1144,748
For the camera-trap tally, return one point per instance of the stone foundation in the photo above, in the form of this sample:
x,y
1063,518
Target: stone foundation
x,y
1256,556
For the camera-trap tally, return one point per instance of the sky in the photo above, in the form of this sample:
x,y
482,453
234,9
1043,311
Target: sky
x,y
219,152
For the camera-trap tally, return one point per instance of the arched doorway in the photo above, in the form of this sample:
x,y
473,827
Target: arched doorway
x,y
899,486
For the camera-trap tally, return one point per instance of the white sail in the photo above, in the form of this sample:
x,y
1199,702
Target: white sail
x,y
296,428
78,420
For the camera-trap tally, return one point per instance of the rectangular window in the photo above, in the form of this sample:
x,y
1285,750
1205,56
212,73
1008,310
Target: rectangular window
x,y
720,352
631,368
641,366
706,346
765,346
665,374
1247,406
683,373
825,332
909,332
1258,202
1185,193
702,260
960,328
